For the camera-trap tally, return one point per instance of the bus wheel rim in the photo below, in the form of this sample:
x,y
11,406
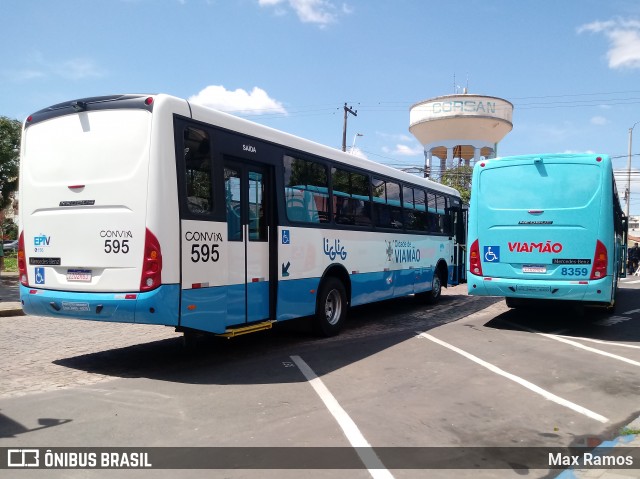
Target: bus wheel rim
x,y
333,307
436,286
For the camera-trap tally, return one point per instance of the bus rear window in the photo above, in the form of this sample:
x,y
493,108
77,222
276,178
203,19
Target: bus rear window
x,y
539,186
89,147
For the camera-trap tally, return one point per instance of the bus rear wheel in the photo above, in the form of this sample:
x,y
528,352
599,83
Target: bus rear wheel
x,y
331,307
432,296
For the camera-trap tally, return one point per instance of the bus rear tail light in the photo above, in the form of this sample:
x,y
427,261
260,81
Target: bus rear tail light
x,y
475,265
151,264
600,261
22,261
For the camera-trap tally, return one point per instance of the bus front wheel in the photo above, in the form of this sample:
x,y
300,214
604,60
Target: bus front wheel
x,y
331,307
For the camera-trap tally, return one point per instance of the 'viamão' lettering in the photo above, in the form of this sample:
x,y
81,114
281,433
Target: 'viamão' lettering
x,y
547,247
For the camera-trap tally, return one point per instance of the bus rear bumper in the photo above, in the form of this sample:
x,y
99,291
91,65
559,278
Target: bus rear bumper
x,y
594,291
154,307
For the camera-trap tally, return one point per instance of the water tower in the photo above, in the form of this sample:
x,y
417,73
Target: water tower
x,y
459,129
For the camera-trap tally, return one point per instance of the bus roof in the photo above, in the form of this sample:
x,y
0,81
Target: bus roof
x,y
233,123
551,156
266,133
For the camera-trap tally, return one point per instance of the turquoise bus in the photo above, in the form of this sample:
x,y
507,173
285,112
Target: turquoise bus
x,y
546,227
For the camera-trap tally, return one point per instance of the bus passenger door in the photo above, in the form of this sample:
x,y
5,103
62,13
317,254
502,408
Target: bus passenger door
x,y
460,239
247,206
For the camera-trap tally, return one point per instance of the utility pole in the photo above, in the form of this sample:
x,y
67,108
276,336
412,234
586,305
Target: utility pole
x,y
344,129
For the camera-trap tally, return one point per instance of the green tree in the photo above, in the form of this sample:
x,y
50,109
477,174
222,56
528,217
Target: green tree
x,y
10,229
10,131
460,179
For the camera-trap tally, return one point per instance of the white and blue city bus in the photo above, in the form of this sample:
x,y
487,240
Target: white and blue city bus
x,y
151,209
546,227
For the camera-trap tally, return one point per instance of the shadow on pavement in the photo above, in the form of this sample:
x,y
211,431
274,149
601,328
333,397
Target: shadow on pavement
x,y
258,358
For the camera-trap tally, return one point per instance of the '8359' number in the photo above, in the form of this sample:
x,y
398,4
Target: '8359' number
x,y
574,271
204,252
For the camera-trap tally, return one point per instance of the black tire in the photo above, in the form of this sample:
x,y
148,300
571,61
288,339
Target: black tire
x,y
512,302
432,296
331,307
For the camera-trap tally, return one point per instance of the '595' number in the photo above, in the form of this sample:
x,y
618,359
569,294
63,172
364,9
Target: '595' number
x,y
204,252
116,246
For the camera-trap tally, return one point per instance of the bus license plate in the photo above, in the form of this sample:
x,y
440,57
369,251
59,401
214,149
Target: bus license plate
x,y
82,275
75,307
532,289
534,268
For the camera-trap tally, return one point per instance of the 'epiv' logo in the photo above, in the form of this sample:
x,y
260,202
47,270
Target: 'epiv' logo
x,y
42,240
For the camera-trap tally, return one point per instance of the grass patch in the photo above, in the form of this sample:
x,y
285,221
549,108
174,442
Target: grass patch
x,y
627,431
11,263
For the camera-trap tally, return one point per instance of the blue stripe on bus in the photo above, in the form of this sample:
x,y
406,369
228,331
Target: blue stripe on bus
x,y
297,298
216,308
154,307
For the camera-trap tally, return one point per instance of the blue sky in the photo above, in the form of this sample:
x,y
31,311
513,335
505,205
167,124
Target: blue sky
x,y
570,67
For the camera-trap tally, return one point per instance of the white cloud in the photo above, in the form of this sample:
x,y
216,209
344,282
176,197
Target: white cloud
x,y
23,75
395,136
256,102
599,120
405,150
624,41
320,12
77,69
358,152
72,69
573,152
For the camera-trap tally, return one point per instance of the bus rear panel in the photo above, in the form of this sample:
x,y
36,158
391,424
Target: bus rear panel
x,y
545,227
86,248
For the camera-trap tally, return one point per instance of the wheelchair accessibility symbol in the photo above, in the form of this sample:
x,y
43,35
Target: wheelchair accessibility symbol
x,y
39,275
492,254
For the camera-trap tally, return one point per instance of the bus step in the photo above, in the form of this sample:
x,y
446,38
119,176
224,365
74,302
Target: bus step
x,y
251,328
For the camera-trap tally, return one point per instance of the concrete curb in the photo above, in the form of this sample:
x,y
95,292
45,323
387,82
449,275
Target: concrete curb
x,y
10,304
10,309
630,440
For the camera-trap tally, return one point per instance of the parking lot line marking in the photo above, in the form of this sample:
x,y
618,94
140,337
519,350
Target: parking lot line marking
x,y
632,311
599,341
523,382
369,458
563,339
587,348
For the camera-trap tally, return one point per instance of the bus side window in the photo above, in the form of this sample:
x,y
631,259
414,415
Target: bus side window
x,y
420,213
433,224
197,160
306,187
232,199
350,197
441,207
386,204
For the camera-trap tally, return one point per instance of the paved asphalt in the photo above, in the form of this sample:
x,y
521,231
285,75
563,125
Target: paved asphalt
x,y
10,306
